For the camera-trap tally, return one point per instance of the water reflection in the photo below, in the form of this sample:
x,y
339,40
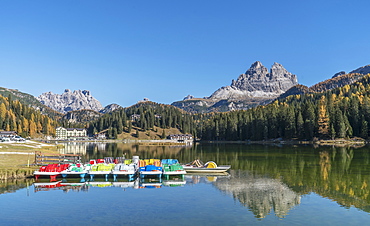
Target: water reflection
x,y
10,186
77,185
264,179
81,148
325,165
193,179
95,150
259,194
76,148
63,185
339,173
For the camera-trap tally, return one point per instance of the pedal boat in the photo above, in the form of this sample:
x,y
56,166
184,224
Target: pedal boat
x,y
209,167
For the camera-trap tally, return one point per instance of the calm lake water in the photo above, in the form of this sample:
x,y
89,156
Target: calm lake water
x,y
267,185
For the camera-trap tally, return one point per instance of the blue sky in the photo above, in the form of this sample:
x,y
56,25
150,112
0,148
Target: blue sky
x,y
124,51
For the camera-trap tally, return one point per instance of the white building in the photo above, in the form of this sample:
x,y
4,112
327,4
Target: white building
x,y
67,133
180,137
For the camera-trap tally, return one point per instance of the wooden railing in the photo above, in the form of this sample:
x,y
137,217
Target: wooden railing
x,y
43,159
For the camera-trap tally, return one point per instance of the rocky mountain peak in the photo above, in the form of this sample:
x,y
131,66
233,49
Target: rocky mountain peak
x,y
256,65
339,74
86,92
258,81
256,71
277,70
70,101
110,108
188,97
362,70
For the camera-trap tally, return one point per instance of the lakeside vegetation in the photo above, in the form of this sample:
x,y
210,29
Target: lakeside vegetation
x,y
336,115
17,158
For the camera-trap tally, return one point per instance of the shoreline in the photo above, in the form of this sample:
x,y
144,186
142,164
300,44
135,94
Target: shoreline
x,y
22,171
338,142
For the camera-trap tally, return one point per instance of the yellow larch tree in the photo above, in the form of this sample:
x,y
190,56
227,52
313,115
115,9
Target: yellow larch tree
x,y
323,118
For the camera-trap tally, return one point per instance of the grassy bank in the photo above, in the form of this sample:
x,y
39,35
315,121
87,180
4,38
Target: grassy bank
x,y
16,159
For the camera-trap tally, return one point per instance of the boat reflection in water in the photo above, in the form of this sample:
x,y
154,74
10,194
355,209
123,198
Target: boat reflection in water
x,y
75,184
64,185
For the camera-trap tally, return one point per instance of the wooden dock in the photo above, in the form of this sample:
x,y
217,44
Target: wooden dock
x,y
44,159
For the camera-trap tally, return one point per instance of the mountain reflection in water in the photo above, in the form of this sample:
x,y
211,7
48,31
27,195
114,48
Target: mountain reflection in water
x,y
259,194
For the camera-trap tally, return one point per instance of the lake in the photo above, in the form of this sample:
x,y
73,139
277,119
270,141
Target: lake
x,y
267,185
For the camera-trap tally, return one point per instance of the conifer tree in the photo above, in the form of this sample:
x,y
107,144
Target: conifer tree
x,y
114,133
309,121
129,127
300,125
119,128
332,132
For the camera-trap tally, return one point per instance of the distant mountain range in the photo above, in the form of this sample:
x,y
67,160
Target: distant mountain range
x,y
256,86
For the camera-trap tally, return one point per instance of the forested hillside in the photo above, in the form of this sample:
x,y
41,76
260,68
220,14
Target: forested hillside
x,y
336,82
304,114
29,100
79,118
338,113
146,116
25,120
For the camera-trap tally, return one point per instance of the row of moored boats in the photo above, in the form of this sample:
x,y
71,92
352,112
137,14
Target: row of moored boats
x,y
130,168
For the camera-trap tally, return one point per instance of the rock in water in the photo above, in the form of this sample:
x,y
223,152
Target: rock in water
x,y
70,101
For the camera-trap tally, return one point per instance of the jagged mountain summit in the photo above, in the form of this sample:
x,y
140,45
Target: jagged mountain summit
x,y
257,85
70,101
257,81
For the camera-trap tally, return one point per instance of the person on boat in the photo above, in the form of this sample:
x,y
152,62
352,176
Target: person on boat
x,y
197,163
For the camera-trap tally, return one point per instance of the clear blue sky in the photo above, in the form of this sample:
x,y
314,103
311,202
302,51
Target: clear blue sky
x,y
124,51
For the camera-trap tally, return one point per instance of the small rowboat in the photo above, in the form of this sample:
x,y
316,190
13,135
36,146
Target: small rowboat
x,y
209,167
